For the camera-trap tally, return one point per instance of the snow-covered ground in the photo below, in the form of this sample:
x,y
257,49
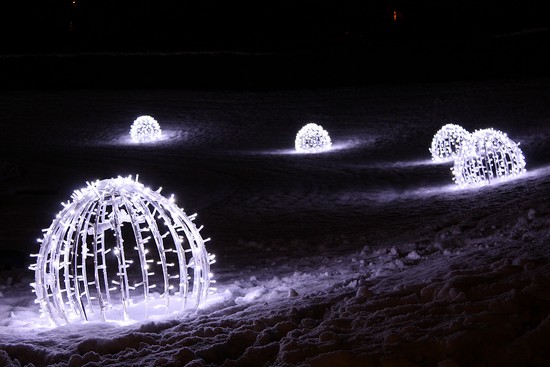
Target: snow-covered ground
x,y
367,255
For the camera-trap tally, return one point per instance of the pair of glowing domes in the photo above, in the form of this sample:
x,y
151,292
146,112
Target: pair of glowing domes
x,y
480,157
311,138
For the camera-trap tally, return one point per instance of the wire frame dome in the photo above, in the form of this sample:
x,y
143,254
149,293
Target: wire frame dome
x,y
447,142
488,156
145,129
312,138
120,251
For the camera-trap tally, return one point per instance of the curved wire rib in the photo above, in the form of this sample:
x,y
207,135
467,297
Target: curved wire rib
x,y
488,156
447,142
120,251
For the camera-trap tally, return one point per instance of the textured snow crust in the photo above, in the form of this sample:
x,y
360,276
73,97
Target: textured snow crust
x,y
366,256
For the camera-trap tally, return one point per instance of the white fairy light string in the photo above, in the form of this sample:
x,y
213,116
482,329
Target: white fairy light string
x,y
120,251
447,142
488,156
312,138
145,129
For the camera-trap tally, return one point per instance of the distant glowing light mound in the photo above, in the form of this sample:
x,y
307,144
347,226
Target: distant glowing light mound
x,y
145,129
312,138
447,142
488,156
120,251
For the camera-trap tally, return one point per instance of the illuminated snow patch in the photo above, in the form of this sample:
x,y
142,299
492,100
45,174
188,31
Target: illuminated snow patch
x,y
120,251
411,163
312,138
168,137
335,147
145,129
447,142
488,156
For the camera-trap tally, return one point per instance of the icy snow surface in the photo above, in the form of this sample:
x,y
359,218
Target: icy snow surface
x,y
366,255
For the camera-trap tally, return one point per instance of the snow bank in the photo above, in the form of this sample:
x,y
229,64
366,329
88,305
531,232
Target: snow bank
x,y
364,256
480,301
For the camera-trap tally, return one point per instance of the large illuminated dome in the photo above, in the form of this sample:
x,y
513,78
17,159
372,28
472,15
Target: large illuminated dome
x,y
120,251
447,142
145,129
312,138
488,156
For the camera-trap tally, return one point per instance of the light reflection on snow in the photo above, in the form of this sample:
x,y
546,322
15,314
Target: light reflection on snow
x,y
412,163
29,319
391,195
453,189
169,136
336,147
535,173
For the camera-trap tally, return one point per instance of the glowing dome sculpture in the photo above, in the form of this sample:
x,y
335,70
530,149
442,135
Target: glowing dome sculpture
x,y
120,251
488,156
312,138
447,142
145,129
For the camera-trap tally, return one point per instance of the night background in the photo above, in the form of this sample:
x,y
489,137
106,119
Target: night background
x,y
258,44
367,254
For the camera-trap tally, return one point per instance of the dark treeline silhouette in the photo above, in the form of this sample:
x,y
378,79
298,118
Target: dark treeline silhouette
x,y
36,26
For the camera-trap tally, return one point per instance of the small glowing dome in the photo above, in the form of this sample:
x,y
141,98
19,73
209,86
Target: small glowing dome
x,y
312,138
488,156
120,251
447,142
144,129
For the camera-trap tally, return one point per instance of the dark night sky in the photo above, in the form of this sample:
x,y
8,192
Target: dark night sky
x,y
175,25
343,32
